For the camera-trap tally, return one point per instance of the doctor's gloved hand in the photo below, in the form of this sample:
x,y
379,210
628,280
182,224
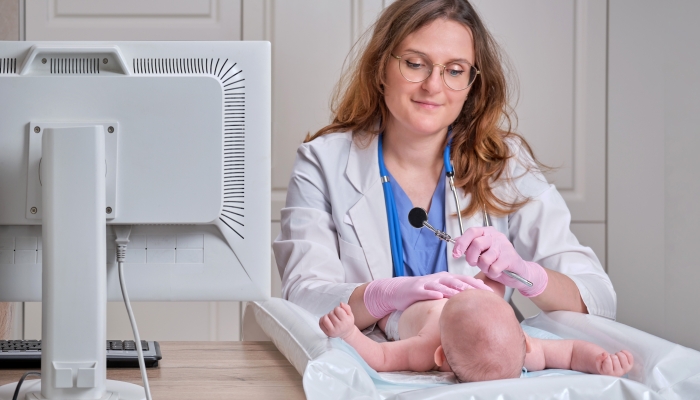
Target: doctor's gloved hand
x,y
491,251
384,296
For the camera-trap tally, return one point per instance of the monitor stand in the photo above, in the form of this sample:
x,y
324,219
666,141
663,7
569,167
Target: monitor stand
x,y
115,390
74,276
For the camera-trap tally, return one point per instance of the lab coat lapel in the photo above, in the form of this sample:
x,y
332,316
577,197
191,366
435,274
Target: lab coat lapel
x,y
458,265
368,215
363,163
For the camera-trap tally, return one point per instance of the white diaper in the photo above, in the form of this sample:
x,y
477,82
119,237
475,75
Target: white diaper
x,y
391,330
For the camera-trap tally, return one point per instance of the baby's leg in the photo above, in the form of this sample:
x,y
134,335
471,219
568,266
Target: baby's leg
x,y
577,355
390,325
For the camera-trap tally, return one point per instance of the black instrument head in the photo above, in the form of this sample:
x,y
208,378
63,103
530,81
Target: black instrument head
x,y
417,216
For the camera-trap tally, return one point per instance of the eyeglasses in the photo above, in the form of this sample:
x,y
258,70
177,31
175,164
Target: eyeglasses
x,y
416,68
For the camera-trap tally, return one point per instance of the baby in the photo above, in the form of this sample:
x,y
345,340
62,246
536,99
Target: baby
x,y
474,334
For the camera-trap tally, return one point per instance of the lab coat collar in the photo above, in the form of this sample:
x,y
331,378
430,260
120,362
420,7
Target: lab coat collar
x,y
368,215
369,219
363,165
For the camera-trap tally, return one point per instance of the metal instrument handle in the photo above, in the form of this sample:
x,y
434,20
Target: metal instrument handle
x,y
444,236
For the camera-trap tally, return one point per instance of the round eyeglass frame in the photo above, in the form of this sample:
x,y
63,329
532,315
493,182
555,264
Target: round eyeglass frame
x,y
442,73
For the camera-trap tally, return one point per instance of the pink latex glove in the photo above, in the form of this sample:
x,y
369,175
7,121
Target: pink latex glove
x,y
491,251
390,294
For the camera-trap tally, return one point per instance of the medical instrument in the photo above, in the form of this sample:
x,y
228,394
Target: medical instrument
x,y
450,172
392,215
421,219
418,218
486,219
487,222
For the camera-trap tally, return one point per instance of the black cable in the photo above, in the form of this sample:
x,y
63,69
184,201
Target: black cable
x,y
19,384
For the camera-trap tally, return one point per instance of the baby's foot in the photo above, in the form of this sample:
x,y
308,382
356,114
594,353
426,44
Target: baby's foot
x,y
616,364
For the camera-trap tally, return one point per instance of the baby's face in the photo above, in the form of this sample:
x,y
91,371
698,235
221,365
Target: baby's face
x,y
481,337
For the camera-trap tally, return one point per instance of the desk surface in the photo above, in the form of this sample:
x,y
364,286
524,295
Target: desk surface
x,y
222,370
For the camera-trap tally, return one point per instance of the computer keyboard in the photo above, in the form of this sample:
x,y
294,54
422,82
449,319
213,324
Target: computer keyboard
x,y
120,354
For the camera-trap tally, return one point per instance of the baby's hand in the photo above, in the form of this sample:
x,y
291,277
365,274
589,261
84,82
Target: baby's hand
x,y
338,323
616,364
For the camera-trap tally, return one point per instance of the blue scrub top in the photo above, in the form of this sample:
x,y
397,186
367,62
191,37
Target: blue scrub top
x,y
423,252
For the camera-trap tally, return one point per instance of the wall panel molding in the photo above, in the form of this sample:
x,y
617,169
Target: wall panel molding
x,y
559,53
586,197
364,13
133,20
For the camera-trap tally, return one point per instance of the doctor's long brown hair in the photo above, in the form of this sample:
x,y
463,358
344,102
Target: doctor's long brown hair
x,y
481,131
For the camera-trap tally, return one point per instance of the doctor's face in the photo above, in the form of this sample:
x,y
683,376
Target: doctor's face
x,y
430,106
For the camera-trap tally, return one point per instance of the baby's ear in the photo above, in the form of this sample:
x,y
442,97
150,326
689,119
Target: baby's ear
x,y
528,344
439,356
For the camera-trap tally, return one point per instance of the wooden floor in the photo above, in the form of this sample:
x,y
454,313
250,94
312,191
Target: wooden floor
x,y
212,370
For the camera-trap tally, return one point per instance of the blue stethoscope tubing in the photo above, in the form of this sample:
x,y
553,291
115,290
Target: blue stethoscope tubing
x,y
393,216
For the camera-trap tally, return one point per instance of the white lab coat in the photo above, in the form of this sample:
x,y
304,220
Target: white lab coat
x,y
335,234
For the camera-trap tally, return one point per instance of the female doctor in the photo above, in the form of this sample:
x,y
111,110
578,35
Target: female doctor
x,y
427,93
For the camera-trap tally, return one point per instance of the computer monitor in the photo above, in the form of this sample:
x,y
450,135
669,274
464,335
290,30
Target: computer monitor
x,y
178,133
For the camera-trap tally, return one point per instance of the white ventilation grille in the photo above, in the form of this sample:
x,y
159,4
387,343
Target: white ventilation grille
x,y
8,65
75,65
233,214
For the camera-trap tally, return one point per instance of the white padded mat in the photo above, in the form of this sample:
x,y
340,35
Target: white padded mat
x,y
332,369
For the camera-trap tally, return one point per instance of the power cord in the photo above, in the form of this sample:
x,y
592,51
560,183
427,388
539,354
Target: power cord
x,y
19,384
122,232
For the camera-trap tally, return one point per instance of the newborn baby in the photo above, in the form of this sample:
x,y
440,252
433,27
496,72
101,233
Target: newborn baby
x,y
474,334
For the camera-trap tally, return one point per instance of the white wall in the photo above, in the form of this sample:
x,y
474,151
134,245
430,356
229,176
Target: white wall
x,y
682,167
635,163
653,137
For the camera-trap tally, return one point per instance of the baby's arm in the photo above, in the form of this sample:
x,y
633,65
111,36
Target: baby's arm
x,y
577,355
412,354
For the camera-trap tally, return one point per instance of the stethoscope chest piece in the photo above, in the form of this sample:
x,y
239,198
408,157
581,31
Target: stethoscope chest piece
x,y
418,218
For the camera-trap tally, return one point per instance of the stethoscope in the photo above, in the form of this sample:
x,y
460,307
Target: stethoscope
x,y
418,217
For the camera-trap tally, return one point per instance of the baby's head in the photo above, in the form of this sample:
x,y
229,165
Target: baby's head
x,y
481,337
